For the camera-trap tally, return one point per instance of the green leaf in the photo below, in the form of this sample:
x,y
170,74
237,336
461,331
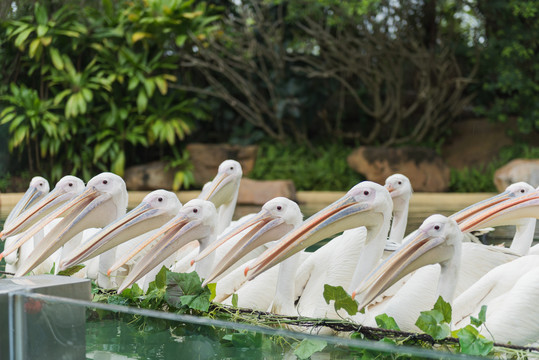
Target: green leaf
x,y
161,85
34,46
22,37
386,322
213,290
142,101
307,347
185,289
472,343
72,270
56,58
109,9
180,40
341,298
40,13
235,300
41,30
436,321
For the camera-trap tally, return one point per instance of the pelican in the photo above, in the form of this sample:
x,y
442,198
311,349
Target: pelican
x,y
155,210
366,204
400,189
38,188
196,220
103,200
277,217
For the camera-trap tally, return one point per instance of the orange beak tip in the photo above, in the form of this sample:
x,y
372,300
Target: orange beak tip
x,y
108,273
354,295
192,262
1,256
246,270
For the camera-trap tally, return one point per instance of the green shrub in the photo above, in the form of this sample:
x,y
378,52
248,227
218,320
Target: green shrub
x,y
481,178
323,167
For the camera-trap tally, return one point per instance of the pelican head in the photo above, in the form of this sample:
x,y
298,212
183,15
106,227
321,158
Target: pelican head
x,y
195,221
366,204
512,191
103,200
399,186
276,218
38,188
438,240
66,189
155,210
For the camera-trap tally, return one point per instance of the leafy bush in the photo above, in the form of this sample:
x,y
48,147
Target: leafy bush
x,y
481,178
323,167
91,83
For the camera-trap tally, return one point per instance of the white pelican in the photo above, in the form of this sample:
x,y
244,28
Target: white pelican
x,y
400,188
366,204
196,220
103,200
66,188
155,210
38,188
276,287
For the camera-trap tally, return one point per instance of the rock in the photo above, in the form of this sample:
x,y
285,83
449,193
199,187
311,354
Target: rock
x,y
258,192
475,142
425,169
517,170
149,176
206,159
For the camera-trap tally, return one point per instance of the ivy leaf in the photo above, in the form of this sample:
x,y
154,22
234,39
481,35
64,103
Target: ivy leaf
x,y
235,300
307,347
185,289
213,290
482,317
472,343
72,270
436,321
386,322
341,297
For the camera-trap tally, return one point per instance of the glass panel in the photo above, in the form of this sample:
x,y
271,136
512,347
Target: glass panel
x,y
48,327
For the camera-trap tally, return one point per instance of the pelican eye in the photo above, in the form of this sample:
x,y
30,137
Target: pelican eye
x,y
195,210
70,184
400,182
279,207
437,227
232,168
160,199
365,193
522,191
105,182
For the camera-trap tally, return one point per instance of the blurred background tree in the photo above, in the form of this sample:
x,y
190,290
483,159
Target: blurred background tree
x,y
134,81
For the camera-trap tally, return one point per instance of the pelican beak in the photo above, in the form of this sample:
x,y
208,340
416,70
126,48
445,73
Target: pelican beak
x,y
77,215
480,206
45,206
345,213
264,227
220,191
30,197
175,234
420,251
389,188
526,206
138,221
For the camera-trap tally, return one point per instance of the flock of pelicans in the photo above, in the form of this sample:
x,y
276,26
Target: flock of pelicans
x,y
400,276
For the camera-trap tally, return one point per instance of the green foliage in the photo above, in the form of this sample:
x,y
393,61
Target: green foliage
x,y
91,85
509,79
249,340
386,322
436,322
321,168
184,290
480,179
72,270
472,343
341,298
308,347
